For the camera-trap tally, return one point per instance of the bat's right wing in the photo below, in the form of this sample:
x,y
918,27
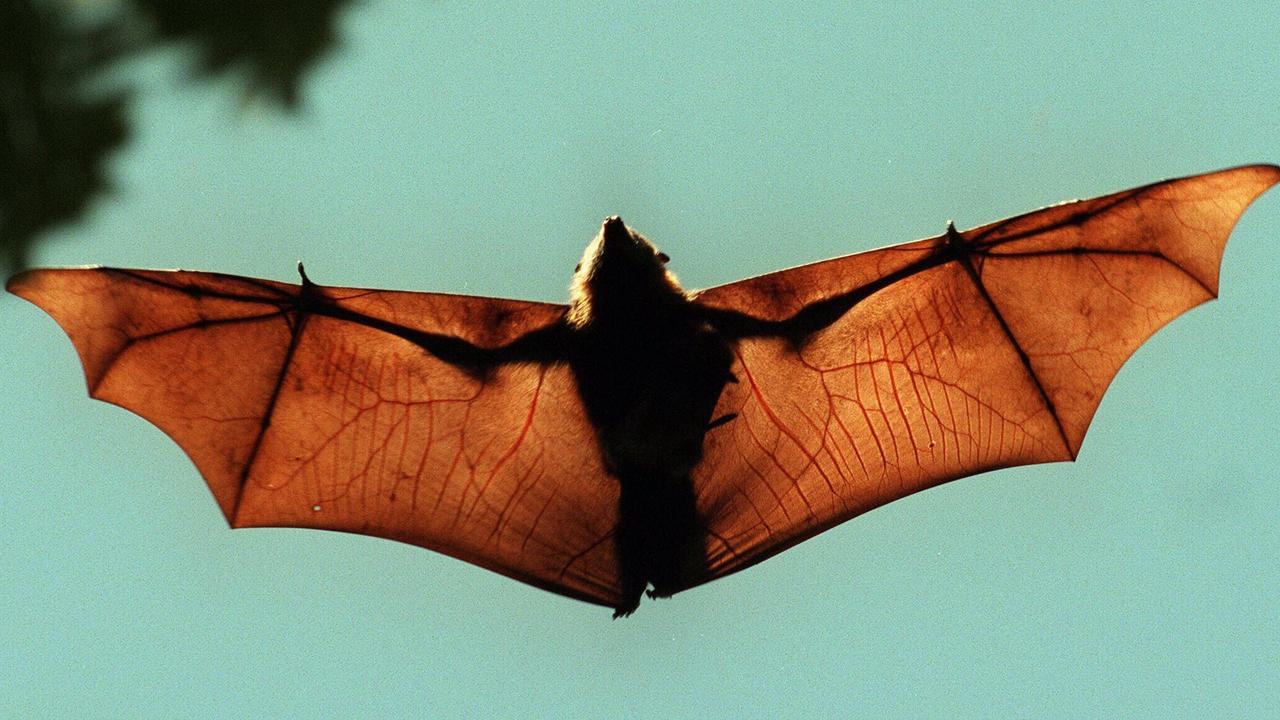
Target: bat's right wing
x,y
319,407
870,377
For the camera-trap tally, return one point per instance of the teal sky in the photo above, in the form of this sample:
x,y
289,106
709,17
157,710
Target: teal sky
x,y
474,148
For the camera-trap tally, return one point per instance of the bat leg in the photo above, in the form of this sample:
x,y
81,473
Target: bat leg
x,y
633,552
660,537
633,588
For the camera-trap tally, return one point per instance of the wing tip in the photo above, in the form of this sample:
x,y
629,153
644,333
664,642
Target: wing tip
x,y
1266,176
27,284
21,283
1271,173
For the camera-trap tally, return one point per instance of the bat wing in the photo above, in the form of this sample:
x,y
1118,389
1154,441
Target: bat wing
x,y
870,377
321,408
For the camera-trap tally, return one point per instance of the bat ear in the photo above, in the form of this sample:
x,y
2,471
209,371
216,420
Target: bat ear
x,y
664,258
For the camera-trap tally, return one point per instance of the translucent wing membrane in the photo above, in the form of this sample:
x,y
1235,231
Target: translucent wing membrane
x,y
859,380
956,354
298,418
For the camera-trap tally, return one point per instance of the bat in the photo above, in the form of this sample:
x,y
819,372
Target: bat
x,y
642,439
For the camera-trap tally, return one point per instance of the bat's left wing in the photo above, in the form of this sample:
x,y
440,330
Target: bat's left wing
x,y
870,377
365,411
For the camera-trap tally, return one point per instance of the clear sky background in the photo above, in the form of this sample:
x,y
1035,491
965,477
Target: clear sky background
x,y
474,148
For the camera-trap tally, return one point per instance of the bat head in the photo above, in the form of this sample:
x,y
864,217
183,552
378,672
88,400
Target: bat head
x,y
621,274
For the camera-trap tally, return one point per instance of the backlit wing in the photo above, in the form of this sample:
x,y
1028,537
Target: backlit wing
x,y
319,407
870,377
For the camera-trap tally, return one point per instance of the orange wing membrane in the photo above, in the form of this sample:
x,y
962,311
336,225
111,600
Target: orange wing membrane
x,y
327,414
870,377
500,432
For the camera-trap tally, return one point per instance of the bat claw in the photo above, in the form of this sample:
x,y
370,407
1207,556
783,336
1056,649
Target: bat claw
x,y
626,609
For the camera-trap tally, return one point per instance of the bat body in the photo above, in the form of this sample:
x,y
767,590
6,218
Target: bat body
x,y
649,369
643,437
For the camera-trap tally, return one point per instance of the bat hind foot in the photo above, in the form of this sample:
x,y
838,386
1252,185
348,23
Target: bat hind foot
x,y
631,602
628,603
625,609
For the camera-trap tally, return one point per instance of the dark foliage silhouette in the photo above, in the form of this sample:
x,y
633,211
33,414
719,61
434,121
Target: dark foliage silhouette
x,y
55,131
60,120
273,41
